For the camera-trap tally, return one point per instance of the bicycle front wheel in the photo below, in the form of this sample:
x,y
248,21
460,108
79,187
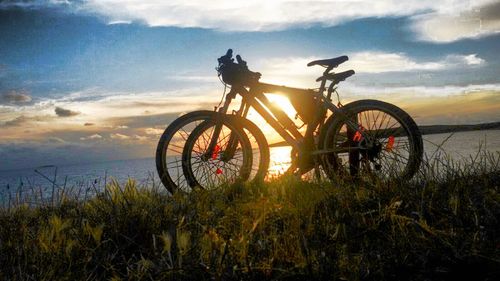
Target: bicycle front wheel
x,y
171,145
385,143
228,161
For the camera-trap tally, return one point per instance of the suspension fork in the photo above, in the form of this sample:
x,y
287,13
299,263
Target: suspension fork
x,y
233,141
219,115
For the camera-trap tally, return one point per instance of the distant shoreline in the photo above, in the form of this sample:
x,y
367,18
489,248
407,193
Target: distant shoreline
x,y
441,129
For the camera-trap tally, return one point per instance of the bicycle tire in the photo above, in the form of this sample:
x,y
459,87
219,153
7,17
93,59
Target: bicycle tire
x,y
362,158
210,169
174,180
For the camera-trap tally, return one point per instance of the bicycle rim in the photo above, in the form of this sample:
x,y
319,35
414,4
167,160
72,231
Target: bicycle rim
x,y
210,169
389,147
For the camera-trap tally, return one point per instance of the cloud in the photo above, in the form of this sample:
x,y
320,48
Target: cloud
x,y
92,137
15,97
260,15
421,92
440,21
470,19
431,20
140,138
21,120
55,140
16,121
378,62
88,124
142,121
34,153
284,70
119,136
61,112
153,131
34,4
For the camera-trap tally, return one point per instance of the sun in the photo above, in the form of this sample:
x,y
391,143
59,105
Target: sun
x,y
282,102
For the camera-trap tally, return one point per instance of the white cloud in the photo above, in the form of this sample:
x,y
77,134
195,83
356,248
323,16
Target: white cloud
x,y
349,89
295,69
92,137
378,62
153,131
140,138
437,21
119,22
445,20
469,19
119,136
250,15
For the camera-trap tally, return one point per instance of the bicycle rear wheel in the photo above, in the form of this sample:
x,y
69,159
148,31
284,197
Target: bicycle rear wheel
x,y
389,147
227,162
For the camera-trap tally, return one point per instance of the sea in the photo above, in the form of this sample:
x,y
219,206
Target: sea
x,y
90,178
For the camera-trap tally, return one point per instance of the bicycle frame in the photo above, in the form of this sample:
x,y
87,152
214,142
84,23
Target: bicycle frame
x,y
255,98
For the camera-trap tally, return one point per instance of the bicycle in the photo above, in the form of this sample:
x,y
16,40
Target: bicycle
x,y
365,138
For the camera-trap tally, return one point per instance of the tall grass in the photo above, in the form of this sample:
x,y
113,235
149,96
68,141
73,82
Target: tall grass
x,y
437,227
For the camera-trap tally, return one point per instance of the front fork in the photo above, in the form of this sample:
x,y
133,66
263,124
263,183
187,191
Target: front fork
x,y
230,150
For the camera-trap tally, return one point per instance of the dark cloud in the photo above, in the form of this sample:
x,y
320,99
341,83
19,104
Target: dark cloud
x,y
88,124
145,121
33,4
18,121
200,104
61,112
56,151
490,12
15,97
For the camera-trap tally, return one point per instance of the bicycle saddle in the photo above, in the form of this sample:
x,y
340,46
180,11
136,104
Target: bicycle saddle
x,y
329,62
337,77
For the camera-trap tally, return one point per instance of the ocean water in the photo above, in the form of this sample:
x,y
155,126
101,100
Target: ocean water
x,y
90,177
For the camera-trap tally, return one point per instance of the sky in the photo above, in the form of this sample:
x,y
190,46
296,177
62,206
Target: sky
x,y
88,81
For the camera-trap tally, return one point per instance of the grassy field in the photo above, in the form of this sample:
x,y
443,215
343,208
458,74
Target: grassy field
x,y
441,226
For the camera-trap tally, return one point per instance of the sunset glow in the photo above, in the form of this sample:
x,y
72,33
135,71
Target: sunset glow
x,y
100,80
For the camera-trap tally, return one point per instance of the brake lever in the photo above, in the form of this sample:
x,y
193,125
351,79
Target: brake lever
x,y
229,54
227,58
241,61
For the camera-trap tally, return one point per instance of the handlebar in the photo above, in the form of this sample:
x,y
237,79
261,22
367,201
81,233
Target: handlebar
x,y
236,73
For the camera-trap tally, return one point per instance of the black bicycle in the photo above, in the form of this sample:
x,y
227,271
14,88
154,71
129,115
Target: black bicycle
x,y
362,139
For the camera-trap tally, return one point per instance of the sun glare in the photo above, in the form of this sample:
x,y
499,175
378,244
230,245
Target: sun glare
x,y
282,102
280,161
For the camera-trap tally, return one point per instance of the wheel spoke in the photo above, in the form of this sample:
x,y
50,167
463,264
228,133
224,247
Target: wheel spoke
x,y
385,152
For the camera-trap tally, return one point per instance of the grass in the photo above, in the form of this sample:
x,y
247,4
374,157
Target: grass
x,y
438,227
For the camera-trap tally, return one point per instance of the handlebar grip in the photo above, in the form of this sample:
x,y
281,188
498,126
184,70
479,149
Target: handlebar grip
x,y
241,61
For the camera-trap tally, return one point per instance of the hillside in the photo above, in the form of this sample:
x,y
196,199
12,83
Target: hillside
x,y
433,229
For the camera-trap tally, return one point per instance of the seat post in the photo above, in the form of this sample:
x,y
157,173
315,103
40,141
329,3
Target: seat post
x,y
323,81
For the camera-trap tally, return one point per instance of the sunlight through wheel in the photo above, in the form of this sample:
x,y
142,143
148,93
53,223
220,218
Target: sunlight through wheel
x,y
229,161
386,144
171,145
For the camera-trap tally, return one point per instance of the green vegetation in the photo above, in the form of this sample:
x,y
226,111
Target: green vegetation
x,y
428,229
